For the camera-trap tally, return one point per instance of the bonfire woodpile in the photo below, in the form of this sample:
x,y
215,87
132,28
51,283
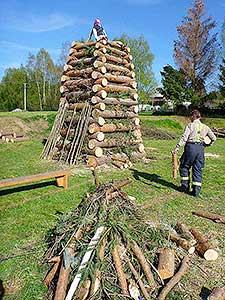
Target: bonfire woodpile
x,y
98,114
107,249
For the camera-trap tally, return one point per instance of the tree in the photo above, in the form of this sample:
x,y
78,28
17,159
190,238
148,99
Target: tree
x,y
142,60
11,88
222,79
64,53
175,86
195,51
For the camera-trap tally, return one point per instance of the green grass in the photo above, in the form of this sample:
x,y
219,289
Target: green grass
x,y
29,212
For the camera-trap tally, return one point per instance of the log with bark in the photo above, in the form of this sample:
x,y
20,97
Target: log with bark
x,y
110,143
204,248
112,114
109,128
114,101
166,264
182,243
214,217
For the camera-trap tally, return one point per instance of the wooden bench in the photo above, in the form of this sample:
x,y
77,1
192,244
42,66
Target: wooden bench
x,y
60,176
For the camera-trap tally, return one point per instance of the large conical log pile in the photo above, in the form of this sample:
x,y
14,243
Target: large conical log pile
x,y
105,249
97,118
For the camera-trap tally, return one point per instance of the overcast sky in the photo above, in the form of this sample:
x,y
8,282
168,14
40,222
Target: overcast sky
x,y
26,25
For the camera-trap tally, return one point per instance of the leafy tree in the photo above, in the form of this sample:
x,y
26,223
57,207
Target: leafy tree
x,y
11,88
175,86
64,53
142,60
222,79
195,51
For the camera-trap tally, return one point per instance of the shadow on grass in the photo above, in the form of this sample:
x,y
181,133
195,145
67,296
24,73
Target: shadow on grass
x,y
18,189
150,179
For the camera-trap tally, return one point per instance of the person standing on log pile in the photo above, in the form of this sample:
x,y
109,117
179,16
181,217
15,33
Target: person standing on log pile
x,y
194,139
98,31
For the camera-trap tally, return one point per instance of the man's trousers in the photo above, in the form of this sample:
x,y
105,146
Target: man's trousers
x,y
193,156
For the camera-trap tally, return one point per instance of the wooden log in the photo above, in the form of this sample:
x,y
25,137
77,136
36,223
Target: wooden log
x,y
118,164
218,293
99,136
94,162
111,49
111,67
183,229
112,78
114,101
175,165
110,143
84,290
51,274
75,63
81,73
133,108
109,114
115,59
204,248
144,264
97,121
117,44
98,152
81,45
118,88
78,83
120,272
99,105
166,265
62,283
75,96
182,243
214,217
108,128
101,81
173,281
135,121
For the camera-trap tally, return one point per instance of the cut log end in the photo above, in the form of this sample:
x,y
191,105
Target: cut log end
x,y
211,254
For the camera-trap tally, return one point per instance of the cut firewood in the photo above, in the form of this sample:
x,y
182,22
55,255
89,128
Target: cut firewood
x,y
62,283
166,265
144,264
173,281
120,272
214,217
182,243
175,165
218,293
204,248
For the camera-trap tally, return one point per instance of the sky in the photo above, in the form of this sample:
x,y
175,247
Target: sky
x,y
27,26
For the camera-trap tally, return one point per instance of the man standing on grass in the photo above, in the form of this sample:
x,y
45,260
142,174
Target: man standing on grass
x,y
193,156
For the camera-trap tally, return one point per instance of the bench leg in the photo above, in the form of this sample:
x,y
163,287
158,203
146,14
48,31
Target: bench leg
x,y
62,181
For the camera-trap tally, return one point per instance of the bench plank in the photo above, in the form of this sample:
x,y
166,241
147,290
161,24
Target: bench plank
x,y
62,175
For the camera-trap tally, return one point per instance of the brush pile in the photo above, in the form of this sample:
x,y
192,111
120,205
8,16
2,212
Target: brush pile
x,y
106,248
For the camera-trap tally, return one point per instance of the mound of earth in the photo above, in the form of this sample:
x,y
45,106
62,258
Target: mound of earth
x,y
16,125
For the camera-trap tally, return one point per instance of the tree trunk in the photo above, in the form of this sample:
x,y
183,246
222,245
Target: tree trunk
x,y
94,162
75,96
116,59
110,143
99,136
166,265
203,247
98,152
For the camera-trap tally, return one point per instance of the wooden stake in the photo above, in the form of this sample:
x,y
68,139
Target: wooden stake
x,y
214,217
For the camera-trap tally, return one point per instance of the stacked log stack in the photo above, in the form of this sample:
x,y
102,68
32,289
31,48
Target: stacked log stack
x,y
100,115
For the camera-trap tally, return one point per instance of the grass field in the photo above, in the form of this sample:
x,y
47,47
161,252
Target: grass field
x,y
28,213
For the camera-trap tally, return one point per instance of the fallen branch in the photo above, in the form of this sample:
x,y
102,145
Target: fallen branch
x,y
214,217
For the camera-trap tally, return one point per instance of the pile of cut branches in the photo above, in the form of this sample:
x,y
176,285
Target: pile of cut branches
x,y
105,248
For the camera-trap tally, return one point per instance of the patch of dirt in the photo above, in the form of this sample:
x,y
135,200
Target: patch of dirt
x,y
155,133
16,125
